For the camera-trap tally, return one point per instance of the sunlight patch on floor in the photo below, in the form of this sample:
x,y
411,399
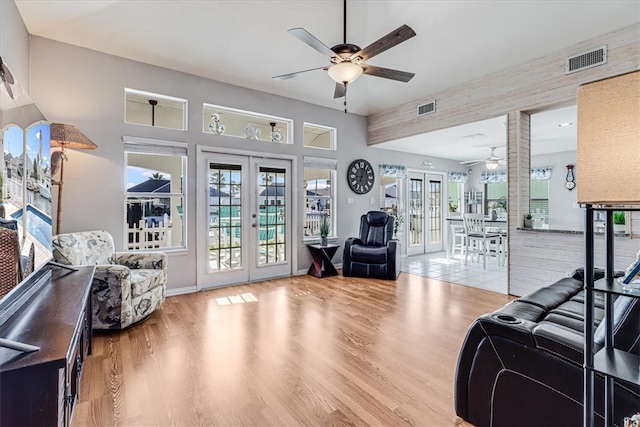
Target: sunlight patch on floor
x,y
237,299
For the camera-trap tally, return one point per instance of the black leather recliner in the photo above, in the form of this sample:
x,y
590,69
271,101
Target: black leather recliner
x,y
522,365
375,253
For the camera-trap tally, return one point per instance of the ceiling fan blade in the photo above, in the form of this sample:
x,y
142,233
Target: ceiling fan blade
x,y
292,75
340,91
387,73
395,37
306,37
472,162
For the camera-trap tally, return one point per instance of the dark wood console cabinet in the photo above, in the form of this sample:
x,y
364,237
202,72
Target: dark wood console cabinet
x,y
41,388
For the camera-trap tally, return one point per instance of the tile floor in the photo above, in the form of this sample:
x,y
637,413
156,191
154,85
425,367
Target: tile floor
x,y
437,266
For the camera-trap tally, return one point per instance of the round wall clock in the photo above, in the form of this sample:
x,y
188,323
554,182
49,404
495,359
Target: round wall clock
x,y
360,176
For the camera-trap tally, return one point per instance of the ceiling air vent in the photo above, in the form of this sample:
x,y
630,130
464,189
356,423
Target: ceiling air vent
x,y
586,60
427,108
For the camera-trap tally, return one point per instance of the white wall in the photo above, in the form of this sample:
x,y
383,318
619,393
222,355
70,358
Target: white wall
x,y
85,88
14,43
564,213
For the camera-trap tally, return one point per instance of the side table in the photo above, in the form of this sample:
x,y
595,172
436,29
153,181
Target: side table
x,y
322,255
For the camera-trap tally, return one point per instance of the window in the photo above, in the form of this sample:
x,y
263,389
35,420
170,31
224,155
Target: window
x,y
539,195
319,195
156,194
152,109
454,197
316,136
219,120
496,196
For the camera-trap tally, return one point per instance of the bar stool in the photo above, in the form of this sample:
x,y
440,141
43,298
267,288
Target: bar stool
x,y
458,239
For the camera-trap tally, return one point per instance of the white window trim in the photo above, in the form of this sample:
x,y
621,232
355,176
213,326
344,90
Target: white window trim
x,y
332,166
133,144
288,121
334,137
185,112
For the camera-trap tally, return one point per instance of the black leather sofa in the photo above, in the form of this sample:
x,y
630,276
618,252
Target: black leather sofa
x,y
374,253
522,364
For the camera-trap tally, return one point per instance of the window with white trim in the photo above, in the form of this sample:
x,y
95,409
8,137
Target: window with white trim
x,y
153,109
155,196
218,120
319,195
318,136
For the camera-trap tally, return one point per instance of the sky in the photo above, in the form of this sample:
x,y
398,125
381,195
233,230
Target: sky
x,y
13,142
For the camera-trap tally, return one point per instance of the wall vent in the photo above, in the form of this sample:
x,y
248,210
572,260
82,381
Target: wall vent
x,y
427,108
586,60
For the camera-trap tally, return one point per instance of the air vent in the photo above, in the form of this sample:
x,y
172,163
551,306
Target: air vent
x,y
427,108
586,60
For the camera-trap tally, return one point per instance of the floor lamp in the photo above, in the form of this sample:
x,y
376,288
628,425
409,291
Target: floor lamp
x,y
65,136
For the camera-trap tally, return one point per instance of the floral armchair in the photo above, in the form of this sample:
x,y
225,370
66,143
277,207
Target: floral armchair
x,y
127,286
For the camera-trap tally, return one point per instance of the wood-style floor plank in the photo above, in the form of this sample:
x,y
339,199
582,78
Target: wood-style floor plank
x,y
335,351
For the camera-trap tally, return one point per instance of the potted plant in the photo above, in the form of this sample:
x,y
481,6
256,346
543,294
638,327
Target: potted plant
x,y
618,222
528,221
324,229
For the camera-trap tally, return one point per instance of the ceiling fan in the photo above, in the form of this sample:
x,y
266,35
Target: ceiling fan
x,y
7,78
348,60
492,162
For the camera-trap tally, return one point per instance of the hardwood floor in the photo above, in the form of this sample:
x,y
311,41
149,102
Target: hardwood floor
x,y
332,351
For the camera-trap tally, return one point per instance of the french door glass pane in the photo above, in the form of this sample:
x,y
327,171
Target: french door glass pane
x,y
416,211
271,219
225,224
435,211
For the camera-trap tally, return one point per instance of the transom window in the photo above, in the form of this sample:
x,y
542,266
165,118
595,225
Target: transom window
x,y
152,109
317,136
219,120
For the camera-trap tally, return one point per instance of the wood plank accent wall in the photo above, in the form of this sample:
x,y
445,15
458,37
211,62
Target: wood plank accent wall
x,y
528,87
535,259
540,258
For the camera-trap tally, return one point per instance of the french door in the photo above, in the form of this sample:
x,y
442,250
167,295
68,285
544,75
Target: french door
x,y
425,213
244,219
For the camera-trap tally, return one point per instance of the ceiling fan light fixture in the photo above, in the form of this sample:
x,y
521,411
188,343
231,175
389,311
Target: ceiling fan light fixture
x,y
492,165
345,72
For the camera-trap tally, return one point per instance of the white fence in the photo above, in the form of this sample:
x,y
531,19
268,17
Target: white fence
x,y
149,234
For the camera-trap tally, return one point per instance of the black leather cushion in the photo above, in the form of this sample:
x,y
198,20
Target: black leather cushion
x,y
11,224
369,254
376,228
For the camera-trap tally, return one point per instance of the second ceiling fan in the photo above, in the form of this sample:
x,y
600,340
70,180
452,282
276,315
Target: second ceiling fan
x,y
348,60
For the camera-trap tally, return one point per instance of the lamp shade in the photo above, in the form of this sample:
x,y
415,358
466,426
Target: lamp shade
x,y
345,72
67,136
609,141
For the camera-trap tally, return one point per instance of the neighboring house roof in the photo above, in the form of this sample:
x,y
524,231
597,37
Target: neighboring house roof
x,y
213,192
151,186
273,192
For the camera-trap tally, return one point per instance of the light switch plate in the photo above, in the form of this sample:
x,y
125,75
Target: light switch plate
x,y
372,200
350,200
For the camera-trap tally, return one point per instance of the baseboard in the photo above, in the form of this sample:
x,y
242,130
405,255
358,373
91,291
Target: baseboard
x,y
180,291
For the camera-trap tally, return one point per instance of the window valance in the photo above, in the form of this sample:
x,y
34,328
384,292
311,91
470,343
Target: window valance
x,y
493,177
393,170
540,174
459,177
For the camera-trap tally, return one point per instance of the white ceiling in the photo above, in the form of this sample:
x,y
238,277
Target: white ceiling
x,y
245,42
473,141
